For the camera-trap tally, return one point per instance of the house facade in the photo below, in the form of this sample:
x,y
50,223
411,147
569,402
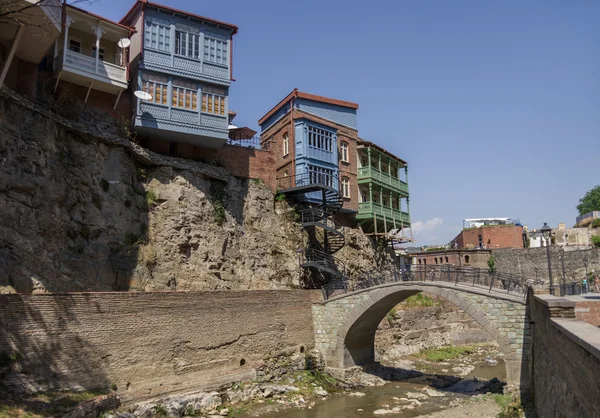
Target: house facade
x,y
314,139
87,54
383,207
183,61
25,38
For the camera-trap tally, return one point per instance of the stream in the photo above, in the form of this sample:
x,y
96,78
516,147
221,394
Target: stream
x,y
408,398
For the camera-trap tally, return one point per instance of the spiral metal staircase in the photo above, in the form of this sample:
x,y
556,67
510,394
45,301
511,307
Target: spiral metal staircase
x,y
325,235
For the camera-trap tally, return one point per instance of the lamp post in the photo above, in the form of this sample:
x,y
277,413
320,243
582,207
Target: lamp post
x,y
546,230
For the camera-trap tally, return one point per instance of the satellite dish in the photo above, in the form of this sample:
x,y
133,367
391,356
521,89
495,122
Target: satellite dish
x,y
124,42
232,126
142,95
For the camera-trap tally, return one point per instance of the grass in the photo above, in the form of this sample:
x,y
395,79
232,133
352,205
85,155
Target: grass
x,y
419,301
391,315
511,407
219,194
444,353
150,198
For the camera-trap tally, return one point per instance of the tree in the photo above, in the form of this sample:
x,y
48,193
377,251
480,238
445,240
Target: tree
x,y
590,202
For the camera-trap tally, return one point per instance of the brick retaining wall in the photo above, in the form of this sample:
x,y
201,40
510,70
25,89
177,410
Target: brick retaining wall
x,y
150,344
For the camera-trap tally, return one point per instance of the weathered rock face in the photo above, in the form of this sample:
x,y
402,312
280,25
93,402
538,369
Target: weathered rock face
x,y
209,235
84,210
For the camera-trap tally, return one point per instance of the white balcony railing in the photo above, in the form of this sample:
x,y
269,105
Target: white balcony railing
x,y
101,68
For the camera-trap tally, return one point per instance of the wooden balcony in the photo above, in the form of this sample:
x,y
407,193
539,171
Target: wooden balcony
x,y
368,210
371,174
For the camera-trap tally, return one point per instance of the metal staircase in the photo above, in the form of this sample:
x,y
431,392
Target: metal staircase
x,y
325,235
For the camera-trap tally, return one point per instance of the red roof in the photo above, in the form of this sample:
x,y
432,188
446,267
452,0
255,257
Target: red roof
x,y
162,6
298,94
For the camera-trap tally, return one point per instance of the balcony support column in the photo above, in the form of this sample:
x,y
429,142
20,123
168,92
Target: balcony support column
x,y
117,101
371,193
406,174
11,53
98,31
389,167
379,155
369,158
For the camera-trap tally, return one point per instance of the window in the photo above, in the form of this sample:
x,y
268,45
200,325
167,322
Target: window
x,y
446,259
363,162
213,100
364,196
320,175
157,36
345,186
286,145
320,138
419,261
480,239
74,46
215,50
384,200
187,44
436,260
185,94
101,53
157,86
467,259
344,151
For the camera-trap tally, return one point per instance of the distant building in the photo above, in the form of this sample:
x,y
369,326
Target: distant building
x,y
453,257
489,233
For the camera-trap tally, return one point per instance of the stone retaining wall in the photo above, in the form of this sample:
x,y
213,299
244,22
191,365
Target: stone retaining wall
x,y
149,344
566,360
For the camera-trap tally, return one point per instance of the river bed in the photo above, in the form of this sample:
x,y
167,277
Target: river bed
x,y
408,398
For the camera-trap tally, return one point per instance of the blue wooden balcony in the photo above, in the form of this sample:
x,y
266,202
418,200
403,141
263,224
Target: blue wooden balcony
x,y
165,62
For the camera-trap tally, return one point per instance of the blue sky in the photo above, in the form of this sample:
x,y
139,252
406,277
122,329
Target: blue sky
x,y
494,104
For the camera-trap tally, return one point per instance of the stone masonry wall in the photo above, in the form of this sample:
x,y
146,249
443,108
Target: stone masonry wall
x,y
566,360
503,317
533,262
149,344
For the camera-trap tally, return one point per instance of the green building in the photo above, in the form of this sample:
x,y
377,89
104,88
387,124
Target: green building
x,y
383,209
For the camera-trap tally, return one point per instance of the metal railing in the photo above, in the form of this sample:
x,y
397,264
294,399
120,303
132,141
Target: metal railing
x,y
312,177
253,142
319,216
317,258
382,177
334,288
497,282
390,212
88,64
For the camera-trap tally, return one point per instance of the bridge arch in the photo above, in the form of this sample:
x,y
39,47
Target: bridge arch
x,y
345,326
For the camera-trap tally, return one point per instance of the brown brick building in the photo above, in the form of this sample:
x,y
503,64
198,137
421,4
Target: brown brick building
x,y
306,132
490,237
458,258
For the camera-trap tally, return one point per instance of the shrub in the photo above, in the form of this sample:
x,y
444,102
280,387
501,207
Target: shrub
x,y
150,198
491,264
391,315
280,197
596,223
596,241
219,194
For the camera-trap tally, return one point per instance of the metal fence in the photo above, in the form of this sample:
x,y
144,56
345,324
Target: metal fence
x,y
496,282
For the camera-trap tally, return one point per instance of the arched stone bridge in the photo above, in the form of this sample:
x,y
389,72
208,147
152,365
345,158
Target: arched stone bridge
x,y
345,325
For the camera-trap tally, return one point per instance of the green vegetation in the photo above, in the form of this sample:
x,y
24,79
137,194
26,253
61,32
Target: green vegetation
x,y
47,404
489,226
596,241
218,192
7,359
596,223
419,301
491,264
257,181
97,201
159,411
104,184
391,315
590,202
279,197
113,387
511,406
436,249
444,353
150,198
233,412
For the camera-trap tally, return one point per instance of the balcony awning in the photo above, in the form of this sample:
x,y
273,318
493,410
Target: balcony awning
x,y
239,134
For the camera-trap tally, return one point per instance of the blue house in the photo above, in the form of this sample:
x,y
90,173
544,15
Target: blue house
x,y
184,62
314,139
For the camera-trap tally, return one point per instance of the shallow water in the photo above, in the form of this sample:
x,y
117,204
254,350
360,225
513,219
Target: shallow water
x,y
345,406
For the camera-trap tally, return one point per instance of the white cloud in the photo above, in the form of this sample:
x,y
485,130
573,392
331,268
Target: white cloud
x,y
430,225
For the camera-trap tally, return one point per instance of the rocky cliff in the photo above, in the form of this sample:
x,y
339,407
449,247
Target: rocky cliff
x,y
85,210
